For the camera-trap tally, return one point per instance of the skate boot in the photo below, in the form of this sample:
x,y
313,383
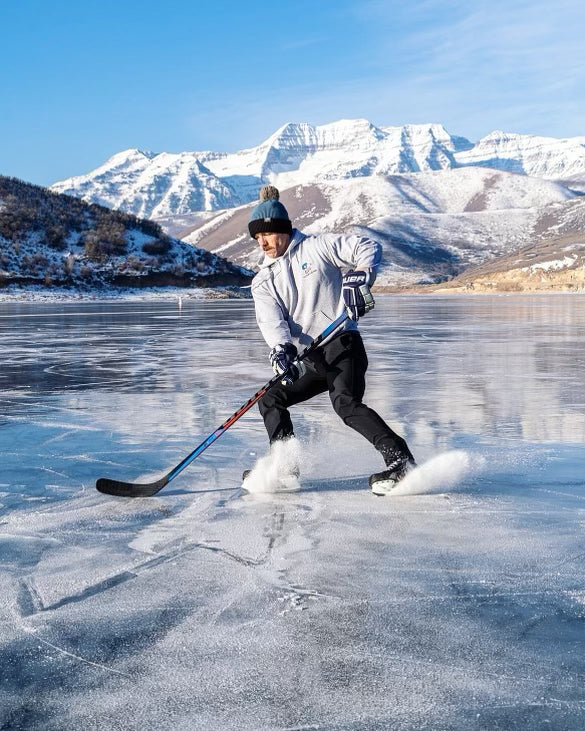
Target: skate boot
x,y
383,482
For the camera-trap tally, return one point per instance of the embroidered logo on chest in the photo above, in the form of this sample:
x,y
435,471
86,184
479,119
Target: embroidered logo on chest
x,y
307,268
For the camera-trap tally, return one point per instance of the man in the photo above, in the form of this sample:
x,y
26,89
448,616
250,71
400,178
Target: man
x,y
299,290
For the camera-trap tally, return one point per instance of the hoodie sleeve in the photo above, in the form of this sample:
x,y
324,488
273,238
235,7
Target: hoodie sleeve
x,y
353,252
270,317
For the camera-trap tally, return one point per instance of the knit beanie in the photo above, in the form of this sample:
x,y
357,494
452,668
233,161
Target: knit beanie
x,y
269,216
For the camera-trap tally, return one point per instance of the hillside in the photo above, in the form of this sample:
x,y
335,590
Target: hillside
x,y
553,265
432,225
57,240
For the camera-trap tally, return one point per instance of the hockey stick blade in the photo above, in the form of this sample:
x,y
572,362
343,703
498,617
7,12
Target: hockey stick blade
x,y
130,489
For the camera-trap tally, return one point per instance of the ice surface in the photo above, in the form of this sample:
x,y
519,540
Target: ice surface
x,y
458,604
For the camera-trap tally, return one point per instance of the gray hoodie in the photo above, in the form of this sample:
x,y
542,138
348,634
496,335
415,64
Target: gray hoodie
x,y
299,294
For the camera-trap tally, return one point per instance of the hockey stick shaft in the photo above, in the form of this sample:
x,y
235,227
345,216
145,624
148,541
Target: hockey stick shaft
x,y
127,489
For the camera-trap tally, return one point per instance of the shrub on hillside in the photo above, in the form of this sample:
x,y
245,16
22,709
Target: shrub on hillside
x,y
28,208
108,239
56,237
157,247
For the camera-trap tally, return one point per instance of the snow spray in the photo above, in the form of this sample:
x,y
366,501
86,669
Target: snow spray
x,y
276,472
440,473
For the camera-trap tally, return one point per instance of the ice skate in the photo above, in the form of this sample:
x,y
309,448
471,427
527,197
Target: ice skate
x,y
382,483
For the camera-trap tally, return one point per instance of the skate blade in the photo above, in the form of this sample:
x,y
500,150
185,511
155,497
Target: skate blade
x,y
383,487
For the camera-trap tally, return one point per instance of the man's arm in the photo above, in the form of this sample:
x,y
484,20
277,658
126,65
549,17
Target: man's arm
x,y
354,252
275,330
270,318
361,256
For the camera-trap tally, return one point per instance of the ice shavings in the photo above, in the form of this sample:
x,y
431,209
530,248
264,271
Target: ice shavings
x,y
578,599
440,473
275,472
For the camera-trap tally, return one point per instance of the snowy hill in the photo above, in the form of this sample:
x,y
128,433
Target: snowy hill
x,y
554,260
431,225
56,240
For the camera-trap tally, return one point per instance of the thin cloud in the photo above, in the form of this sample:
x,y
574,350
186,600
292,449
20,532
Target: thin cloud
x,y
298,44
517,38
495,61
502,65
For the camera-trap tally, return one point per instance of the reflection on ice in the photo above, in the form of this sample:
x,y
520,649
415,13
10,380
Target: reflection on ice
x,y
206,608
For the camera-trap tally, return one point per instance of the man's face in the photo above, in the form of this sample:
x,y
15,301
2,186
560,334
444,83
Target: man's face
x,y
273,244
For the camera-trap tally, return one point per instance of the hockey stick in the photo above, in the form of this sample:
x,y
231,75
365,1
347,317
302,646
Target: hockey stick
x,y
146,489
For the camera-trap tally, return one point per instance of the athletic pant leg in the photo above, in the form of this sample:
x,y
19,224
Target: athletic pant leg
x,y
274,404
346,364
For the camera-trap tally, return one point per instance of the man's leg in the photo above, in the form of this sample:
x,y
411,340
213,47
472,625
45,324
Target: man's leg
x,y
275,403
346,363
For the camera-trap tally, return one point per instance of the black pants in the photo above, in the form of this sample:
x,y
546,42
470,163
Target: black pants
x,y
340,368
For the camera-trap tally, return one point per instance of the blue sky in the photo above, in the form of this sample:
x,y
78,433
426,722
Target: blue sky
x,y
82,80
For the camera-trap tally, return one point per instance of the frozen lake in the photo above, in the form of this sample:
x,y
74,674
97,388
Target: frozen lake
x,y
458,606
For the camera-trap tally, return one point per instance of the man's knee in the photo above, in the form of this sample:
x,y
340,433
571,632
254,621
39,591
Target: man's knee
x,y
346,406
266,403
273,399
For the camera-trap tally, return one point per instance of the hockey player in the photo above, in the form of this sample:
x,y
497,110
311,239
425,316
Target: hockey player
x,y
300,289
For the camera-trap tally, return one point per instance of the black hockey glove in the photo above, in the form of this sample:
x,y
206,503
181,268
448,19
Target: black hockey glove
x,y
282,359
356,294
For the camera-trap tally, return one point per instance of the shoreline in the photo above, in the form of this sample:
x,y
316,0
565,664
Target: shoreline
x,y
174,294
453,292
169,294
477,290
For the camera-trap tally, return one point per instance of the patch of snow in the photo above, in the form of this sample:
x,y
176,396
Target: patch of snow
x,y
554,264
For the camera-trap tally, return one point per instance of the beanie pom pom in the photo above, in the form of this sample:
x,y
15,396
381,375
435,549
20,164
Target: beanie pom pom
x,y
269,193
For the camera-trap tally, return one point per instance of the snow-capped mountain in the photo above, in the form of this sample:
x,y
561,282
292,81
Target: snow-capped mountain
x,y
165,185
151,186
301,154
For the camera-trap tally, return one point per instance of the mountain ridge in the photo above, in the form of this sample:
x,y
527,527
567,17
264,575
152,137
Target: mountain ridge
x,y
159,185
